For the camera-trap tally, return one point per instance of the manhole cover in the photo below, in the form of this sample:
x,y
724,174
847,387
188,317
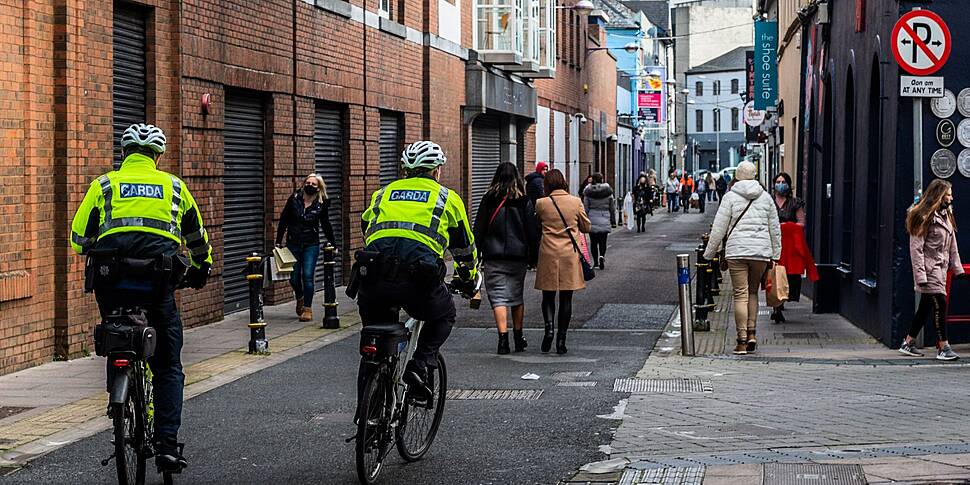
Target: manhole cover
x,y
576,384
7,411
799,335
691,475
631,316
493,394
811,474
647,386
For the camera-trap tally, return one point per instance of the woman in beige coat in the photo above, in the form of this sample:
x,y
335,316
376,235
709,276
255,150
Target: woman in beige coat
x,y
933,250
559,269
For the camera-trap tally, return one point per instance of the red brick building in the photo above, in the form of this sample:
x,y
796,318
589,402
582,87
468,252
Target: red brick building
x,y
253,96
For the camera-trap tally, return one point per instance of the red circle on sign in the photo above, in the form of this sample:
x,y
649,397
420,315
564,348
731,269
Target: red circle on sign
x,y
946,37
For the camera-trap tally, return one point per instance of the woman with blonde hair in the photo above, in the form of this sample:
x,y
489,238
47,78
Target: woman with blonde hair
x,y
306,212
933,249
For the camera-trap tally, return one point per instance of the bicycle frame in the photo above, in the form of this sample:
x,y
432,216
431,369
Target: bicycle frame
x,y
400,389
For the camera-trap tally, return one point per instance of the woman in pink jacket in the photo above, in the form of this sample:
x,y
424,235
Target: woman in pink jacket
x,y
933,249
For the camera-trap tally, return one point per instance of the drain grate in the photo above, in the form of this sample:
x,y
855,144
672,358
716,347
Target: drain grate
x,y
631,316
7,411
812,474
799,335
691,475
576,384
648,386
493,394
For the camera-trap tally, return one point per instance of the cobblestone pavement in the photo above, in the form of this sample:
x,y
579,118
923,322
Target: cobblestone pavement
x,y
825,393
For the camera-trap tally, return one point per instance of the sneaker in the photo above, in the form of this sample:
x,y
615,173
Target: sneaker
x,y
741,348
910,350
946,353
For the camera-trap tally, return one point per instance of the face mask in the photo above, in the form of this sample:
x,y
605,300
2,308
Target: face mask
x,y
944,205
310,189
781,188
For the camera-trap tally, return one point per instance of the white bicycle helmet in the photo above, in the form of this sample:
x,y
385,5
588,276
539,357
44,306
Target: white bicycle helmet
x,y
423,155
144,135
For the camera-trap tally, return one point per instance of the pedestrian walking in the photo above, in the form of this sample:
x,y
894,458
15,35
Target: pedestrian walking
x,y
586,181
562,220
672,190
746,227
721,187
791,210
534,186
601,208
701,190
507,236
710,187
642,202
931,226
685,192
306,212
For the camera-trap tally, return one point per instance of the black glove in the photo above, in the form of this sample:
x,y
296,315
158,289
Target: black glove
x,y
197,277
465,287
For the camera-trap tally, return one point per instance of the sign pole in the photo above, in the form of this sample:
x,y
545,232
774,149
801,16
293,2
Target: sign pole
x,y
917,149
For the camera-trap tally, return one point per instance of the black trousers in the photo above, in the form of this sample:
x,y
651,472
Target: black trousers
x,y
931,306
380,302
168,379
597,246
641,220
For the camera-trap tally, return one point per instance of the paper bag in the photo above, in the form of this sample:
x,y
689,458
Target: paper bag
x,y
284,259
776,286
275,273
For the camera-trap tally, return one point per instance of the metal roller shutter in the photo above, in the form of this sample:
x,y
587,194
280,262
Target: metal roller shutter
x,y
486,156
128,86
390,144
244,226
328,141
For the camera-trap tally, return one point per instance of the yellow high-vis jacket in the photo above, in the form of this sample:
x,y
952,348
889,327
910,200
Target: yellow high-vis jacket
x,y
140,198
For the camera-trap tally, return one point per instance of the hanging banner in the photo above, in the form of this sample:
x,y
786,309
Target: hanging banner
x,y
766,64
651,95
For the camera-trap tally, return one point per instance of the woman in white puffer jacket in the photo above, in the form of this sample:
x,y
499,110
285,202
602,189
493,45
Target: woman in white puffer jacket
x,y
749,218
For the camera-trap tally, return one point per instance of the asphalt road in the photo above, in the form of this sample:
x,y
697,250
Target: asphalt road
x,y
287,424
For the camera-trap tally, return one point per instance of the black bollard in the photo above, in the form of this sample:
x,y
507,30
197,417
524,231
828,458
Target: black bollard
x,y
701,308
257,327
330,319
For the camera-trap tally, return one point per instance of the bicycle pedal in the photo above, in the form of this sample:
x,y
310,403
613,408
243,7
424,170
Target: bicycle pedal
x,y
107,460
352,438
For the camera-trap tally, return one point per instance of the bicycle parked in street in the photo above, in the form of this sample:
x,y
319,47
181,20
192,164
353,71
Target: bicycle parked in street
x,y
126,339
387,413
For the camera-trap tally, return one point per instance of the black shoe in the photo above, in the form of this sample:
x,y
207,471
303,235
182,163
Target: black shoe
x,y
168,456
503,343
547,338
602,261
419,386
520,343
561,339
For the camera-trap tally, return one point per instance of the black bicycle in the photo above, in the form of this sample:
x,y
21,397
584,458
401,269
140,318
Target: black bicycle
x,y
387,414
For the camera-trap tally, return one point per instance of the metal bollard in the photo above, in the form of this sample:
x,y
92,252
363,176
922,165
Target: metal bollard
x,y
330,319
686,316
258,344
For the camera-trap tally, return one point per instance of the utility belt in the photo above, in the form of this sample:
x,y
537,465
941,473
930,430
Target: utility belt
x,y
107,269
372,266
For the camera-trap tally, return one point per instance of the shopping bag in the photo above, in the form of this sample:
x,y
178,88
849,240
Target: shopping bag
x,y
284,259
776,286
628,214
275,274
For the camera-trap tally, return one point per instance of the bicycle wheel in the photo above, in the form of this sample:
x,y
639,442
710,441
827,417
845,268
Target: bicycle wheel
x,y
129,438
419,424
373,440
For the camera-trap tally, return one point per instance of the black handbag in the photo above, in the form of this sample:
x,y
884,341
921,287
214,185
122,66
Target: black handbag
x,y
588,271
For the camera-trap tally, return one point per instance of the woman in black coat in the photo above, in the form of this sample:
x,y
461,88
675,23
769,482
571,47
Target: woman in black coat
x,y
642,202
306,212
507,237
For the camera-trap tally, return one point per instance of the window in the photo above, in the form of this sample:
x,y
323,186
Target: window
x,y
735,119
498,30
700,121
734,86
699,89
530,33
547,36
384,8
717,119
717,88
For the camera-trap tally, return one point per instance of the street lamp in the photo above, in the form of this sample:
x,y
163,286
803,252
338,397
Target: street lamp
x,y
631,48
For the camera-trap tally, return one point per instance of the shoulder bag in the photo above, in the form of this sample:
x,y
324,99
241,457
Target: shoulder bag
x,y
495,214
722,255
588,271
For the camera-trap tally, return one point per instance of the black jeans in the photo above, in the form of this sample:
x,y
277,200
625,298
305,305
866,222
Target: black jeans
x,y
641,221
701,203
932,306
597,246
168,380
380,302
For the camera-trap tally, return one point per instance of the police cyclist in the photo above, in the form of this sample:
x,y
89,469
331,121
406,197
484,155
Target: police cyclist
x,y
407,228
131,225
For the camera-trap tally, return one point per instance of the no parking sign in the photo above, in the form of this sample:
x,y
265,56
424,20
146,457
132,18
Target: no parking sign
x,y
921,42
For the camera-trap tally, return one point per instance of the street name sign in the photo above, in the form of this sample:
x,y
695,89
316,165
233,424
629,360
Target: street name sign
x,y
921,87
921,42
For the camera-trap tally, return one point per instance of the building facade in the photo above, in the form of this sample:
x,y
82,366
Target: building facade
x,y
715,126
253,97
